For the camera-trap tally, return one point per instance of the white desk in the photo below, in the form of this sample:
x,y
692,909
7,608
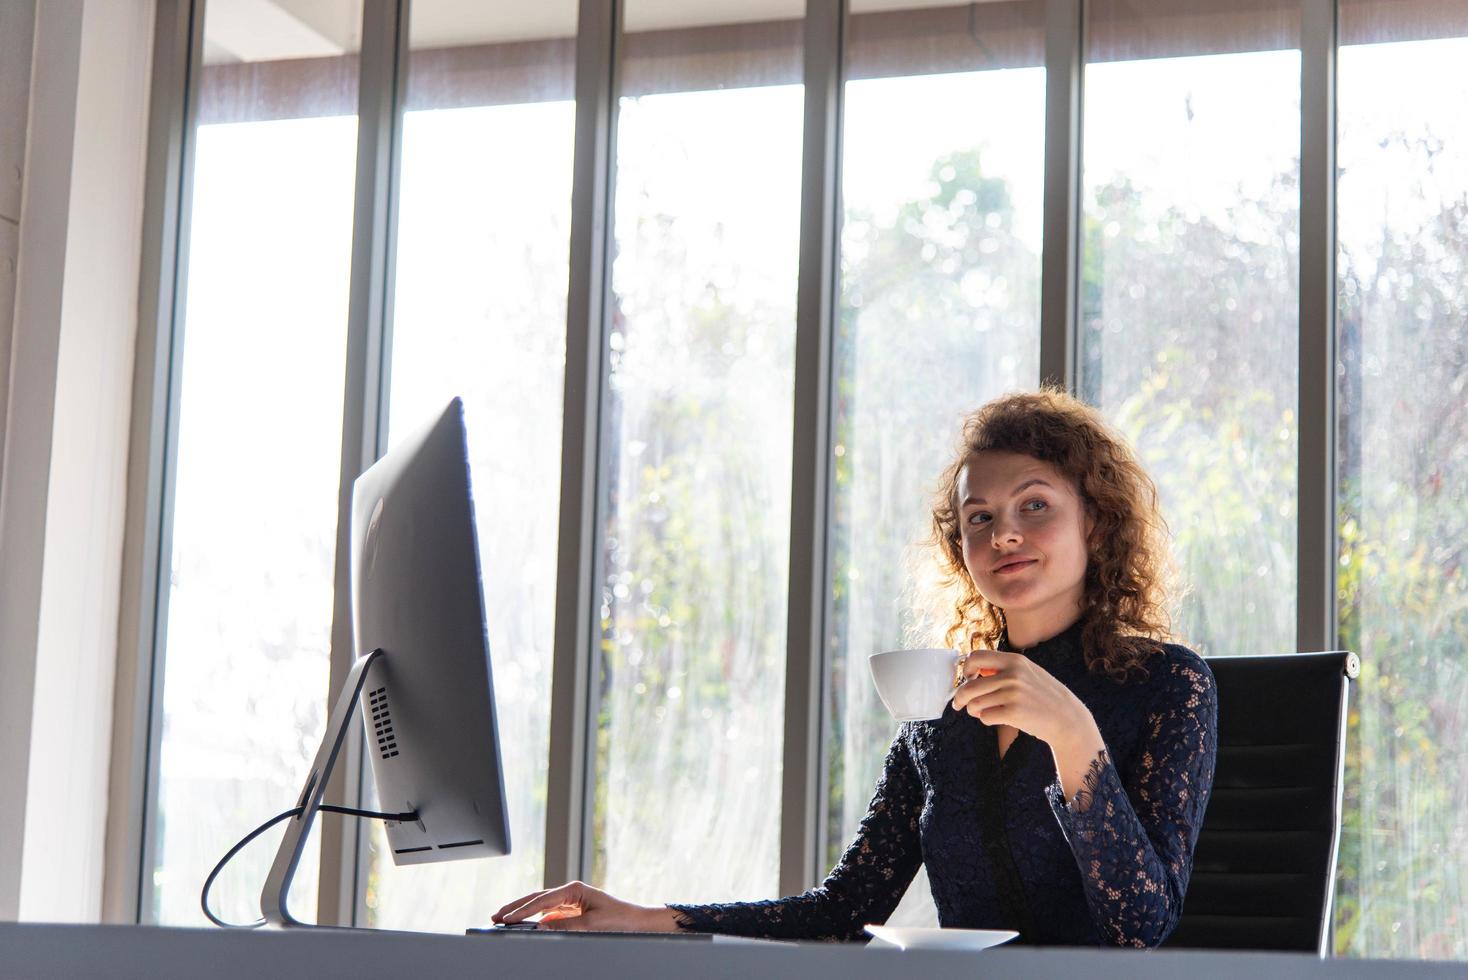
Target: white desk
x,y
40,952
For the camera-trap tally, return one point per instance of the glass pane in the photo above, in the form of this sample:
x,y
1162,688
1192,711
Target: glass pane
x,y
697,456
942,183
480,312
249,600
1403,468
1190,291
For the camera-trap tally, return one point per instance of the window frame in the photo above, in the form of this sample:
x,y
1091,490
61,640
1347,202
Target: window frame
x,y
178,43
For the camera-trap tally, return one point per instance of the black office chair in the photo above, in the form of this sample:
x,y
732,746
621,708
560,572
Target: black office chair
x,y
1264,867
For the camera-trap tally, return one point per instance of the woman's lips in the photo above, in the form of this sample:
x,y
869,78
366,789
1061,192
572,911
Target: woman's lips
x,y
1013,567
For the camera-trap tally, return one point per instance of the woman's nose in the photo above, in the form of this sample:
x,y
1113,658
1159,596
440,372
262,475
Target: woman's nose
x,y
1004,533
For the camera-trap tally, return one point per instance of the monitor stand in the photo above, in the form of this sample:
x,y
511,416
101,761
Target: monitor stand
x,y
273,898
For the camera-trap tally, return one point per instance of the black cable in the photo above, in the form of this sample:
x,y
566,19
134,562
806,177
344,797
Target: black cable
x,y
293,811
408,817
209,881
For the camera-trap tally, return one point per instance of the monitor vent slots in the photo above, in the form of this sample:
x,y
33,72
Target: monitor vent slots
x,y
387,741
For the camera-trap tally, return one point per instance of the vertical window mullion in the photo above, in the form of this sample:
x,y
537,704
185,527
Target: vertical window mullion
x,y
1316,614
569,790
175,88
803,790
363,409
1058,287
1315,604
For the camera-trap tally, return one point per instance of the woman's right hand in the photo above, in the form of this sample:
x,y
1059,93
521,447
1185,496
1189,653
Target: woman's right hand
x,y
577,907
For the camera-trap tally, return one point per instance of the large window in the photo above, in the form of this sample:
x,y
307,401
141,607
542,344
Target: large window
x,y
691,135
249,587
1189,295
940,307
480,312
697,457
1403,468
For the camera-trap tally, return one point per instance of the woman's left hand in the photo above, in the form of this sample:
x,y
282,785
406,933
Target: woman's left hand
x,y
1010,689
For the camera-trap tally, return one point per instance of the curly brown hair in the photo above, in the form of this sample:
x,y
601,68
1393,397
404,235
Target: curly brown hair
x,y
1129,569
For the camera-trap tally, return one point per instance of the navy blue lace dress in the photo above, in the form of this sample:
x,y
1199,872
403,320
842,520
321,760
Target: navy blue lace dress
x,y
1003,848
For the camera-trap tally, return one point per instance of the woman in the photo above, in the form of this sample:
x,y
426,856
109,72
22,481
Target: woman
x,y
1061,792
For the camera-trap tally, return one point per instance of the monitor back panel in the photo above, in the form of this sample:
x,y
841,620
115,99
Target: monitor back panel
x,y
428,704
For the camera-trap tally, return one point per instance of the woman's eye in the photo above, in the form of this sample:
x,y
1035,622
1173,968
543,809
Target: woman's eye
x,y
1034,506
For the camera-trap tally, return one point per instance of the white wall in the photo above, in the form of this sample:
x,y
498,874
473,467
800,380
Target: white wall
x,y
16,33
30,397
17,27
62,473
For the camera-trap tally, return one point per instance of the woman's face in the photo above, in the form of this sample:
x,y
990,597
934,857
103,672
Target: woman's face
x,y
1024,530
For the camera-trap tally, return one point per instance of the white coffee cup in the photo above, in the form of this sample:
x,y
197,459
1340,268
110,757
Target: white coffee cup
x,y
915,685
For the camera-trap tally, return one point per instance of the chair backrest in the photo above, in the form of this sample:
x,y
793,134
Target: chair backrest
x,y
1264,866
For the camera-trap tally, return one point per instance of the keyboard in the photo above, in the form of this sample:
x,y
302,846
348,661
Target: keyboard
x,y
533,929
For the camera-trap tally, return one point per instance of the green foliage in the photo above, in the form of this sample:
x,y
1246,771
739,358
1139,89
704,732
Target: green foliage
x,y
1402,588
692,620
938,313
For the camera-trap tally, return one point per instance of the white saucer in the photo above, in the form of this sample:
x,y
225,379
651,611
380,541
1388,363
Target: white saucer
x,y
915,937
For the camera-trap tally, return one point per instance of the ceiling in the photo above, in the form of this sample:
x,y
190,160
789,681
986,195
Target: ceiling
x,y
269,30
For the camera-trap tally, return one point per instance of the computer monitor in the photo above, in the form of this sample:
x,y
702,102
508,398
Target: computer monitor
x,y
422,670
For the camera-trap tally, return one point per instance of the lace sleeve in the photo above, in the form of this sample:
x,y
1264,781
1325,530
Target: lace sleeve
x,y
865,886
1133,840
